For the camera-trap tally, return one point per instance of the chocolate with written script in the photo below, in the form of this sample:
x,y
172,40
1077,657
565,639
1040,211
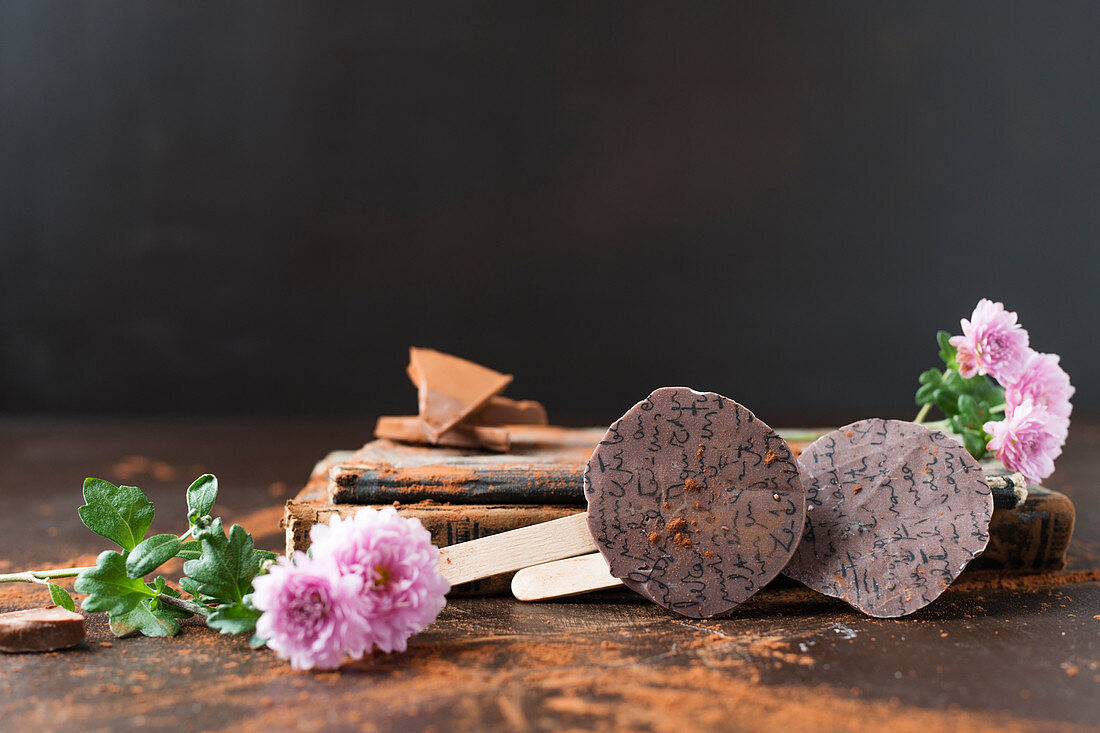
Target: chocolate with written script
x,y
895,512
693,501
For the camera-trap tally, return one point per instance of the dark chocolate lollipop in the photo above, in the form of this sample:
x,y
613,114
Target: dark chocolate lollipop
x,y
693,501
894,512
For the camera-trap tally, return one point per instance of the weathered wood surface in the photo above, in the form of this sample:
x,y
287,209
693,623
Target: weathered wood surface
x,y
993,653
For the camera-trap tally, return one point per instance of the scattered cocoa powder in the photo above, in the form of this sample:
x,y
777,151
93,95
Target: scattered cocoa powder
x,y
676,525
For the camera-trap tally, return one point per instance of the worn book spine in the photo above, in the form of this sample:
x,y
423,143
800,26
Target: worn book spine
x,y
447,524
1034,536
523,484
519,484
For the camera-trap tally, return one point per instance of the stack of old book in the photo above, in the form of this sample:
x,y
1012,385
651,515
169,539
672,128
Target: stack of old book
x,y
473,463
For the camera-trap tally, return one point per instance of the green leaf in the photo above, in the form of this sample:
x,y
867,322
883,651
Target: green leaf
x,y
189,585
945,400
151,554
227,565
61,597
122,514
948,353
967,406
931,376
235,618
200,497
144,619
975,442
189,550
108,586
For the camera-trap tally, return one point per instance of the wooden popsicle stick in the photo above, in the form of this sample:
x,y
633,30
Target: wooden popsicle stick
x,y
518,548
563,578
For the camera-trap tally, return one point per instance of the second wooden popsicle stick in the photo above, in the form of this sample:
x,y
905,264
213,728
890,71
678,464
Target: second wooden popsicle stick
x,y
519,548
563,578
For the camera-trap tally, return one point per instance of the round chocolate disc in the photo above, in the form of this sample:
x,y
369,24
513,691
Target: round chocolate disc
x,y
694,502
894,512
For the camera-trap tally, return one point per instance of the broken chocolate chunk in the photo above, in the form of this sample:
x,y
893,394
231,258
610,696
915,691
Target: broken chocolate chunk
x,y
40,630
450,388
409,429
505,411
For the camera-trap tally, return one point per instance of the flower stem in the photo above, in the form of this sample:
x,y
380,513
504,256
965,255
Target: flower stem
x,y
923,413
192,608
37,576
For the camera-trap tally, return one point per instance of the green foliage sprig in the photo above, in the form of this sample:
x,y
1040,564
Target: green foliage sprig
x,y
967,404
218,568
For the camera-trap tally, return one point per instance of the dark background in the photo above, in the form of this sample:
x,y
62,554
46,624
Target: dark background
x,y
257,207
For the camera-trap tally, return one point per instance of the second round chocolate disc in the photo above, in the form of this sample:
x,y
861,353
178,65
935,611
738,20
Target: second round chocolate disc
x,y
895,512
694,502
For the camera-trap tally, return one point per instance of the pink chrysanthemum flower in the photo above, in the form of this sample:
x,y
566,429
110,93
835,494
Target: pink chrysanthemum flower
x,y
311,614
992,343
1045,383
403,591
1028,439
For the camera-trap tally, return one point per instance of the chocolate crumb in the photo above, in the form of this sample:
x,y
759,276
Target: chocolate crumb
x,y
770,457
676,525
682,540
691,484
708,555
653,537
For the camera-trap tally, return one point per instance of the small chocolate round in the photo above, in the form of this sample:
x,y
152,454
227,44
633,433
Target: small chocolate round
x,y
694,502
895,511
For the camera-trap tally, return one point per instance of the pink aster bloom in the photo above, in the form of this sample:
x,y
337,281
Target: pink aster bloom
x,y
1045,383
1028,439
311,615
992,343
402,591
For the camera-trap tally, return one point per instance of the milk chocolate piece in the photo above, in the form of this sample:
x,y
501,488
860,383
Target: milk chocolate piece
x,y
504,411
40,630
450,388
409,429
895,512
693,501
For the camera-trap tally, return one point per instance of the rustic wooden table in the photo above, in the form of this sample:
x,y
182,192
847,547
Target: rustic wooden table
x,y
995,652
